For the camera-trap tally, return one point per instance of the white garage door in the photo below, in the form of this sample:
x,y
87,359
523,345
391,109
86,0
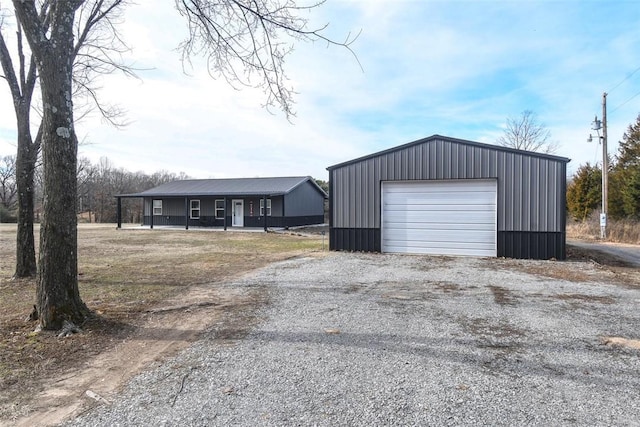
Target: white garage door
x,y
440,217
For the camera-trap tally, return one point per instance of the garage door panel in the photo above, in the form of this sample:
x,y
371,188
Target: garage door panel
x,y
441,186
417,226
438,207
398,217
479,236
441,245
440,217
442,251
437,198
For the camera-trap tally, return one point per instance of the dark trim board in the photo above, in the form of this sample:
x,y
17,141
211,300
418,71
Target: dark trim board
x,y
203,221
355,239
249,221
164,220
532,245
283,221
511,244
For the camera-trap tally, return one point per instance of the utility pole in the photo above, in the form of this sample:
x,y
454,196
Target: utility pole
x,y
597,125
605,169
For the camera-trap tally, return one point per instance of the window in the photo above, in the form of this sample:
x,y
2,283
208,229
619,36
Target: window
x,y
262,207
157,207
195,209
220,209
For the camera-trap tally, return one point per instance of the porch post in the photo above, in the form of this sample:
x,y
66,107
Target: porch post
x,y
225,214
264,203
119,212
186,213
285,223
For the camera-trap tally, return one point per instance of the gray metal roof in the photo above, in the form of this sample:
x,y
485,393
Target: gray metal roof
x,y
456,140
227,187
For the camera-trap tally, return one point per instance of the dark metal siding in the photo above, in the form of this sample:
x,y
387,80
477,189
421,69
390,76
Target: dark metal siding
x,y
304,200
252,205
173,212
531,189
170,207
207,206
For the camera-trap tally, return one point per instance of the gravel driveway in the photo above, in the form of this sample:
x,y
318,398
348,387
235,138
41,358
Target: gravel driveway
x,y
370,339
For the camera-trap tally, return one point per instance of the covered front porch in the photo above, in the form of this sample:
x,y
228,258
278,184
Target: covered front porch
x,y
219,212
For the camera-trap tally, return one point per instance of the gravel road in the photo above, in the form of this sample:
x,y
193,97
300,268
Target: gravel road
x,y
370,339
626,252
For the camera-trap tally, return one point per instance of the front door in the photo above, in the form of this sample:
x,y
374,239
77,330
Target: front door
x,y
238,213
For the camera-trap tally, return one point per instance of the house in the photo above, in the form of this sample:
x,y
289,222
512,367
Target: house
x,y
447,196
239,202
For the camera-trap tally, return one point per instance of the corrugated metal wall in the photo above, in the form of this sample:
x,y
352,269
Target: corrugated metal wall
x,y
531,192
304,200
530,189
170,207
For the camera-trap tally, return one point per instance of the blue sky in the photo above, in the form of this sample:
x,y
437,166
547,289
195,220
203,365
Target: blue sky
x,y
455,68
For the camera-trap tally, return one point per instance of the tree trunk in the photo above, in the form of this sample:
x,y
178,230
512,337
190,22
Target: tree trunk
x,y
25,169
58,297
57,294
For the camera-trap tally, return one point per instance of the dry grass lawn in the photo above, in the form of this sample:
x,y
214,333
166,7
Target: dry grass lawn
x,y
123,276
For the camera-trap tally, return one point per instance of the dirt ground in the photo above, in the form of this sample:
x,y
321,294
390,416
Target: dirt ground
x,y
153,292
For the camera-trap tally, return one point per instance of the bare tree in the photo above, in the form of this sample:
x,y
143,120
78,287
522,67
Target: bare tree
x,y
526,133
51,39
22,82
97,50
98,184
244,41
8,188
86,177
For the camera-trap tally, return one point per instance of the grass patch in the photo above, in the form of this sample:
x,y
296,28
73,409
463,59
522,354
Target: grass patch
x,y
122,276
621,231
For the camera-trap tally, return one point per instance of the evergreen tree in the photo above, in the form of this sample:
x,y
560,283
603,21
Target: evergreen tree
x,y
615,198
584,192
627,170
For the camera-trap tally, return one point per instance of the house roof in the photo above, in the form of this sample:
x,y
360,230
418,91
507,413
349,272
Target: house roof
x,y
274,186
449,139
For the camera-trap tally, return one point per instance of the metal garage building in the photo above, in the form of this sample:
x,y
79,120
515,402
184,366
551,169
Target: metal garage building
x,y
447,196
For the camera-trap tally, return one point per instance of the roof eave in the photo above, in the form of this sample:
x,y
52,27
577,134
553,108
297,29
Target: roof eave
x,y
276,193
450,139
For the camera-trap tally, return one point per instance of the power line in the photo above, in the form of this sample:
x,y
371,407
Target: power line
x,y
638,93
624,80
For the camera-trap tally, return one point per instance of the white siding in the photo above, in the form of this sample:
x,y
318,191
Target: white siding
x,y
456,217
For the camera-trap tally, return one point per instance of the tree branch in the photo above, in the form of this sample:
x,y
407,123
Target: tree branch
x,y
35,31
244,41
9,72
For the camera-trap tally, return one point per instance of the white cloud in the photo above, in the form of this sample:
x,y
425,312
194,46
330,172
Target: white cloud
x,y
456,68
